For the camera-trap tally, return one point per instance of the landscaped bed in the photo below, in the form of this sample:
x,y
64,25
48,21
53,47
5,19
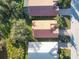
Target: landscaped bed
x,y
64,22
64,54
64,4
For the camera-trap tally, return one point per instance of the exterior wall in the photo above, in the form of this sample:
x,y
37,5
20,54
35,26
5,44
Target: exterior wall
x,y
42,11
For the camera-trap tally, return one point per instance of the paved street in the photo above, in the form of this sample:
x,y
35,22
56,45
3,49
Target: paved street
x,y
74,31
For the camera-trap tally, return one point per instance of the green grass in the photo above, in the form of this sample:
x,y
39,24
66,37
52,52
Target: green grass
x,y
64,54
26,56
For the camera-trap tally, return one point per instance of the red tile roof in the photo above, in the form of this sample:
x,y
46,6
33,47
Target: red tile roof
x,y
45,34
44,29
41,2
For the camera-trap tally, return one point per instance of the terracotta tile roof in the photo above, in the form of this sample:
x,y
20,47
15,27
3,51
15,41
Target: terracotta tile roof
x,y
41,2
45,29
46,33
43,24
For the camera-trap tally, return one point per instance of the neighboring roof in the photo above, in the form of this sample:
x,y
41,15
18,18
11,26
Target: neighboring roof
x,y
43,10
42,24
42,47
39,2
43,50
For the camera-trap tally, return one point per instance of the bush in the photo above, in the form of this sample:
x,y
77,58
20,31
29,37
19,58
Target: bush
x,y
13,51
64,22
64,54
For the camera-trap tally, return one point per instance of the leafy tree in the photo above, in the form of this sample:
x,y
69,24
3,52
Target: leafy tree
x,y
11,22
9,9
20,34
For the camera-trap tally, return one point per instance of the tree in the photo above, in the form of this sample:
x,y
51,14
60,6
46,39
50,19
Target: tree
x,y
9,9
12,22
21,32
20,35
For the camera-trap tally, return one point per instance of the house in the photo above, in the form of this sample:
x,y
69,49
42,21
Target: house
x,y
41,7
45,29
43,50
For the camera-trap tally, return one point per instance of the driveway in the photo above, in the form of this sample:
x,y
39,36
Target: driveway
x,y
65,11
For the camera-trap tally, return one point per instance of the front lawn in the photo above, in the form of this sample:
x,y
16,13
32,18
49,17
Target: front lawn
x,y
26,56
64,54
63,4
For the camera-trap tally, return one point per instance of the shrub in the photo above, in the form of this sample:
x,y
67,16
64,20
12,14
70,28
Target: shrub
x,y
64,54
64,3
13,51
63,22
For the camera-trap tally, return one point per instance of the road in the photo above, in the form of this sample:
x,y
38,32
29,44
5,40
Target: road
x,y
74,30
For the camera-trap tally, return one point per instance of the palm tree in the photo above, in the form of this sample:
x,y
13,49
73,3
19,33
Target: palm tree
x,y
21,34
8,8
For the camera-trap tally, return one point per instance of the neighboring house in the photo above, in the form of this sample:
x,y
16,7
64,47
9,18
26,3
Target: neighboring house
x,y
43,50
45,29
41,7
